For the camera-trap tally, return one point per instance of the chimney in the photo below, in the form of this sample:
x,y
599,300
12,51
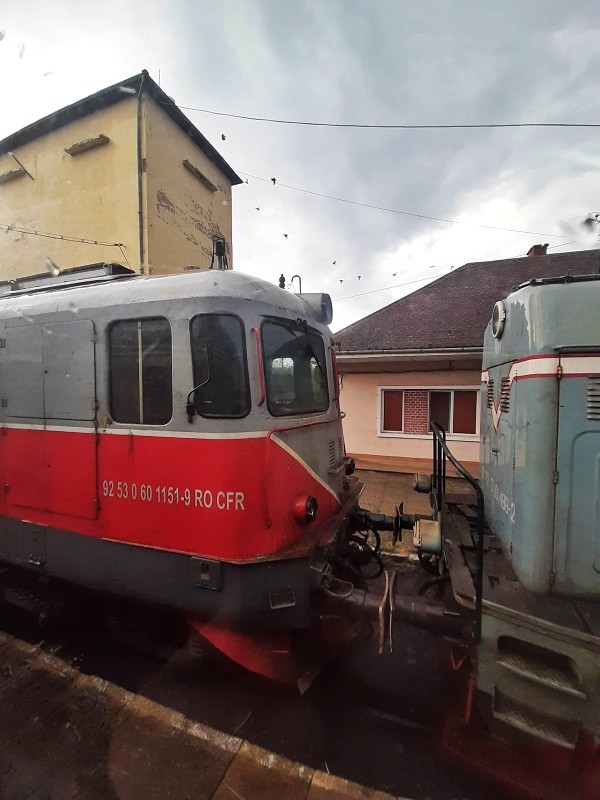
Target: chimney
x,y
537,250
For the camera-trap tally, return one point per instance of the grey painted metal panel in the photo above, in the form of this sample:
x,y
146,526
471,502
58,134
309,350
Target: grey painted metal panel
x,y
69,382
542,318
23,543
23,372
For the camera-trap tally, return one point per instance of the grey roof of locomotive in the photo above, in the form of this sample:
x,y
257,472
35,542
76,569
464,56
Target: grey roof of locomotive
x,y
233,288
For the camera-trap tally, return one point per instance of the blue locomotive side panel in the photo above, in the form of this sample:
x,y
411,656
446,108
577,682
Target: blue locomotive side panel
x,y
540,442
577,518
517,456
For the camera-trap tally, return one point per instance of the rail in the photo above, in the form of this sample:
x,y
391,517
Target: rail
x,y
441,452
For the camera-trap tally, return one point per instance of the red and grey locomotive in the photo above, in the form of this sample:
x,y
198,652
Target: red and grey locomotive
x,y
175,440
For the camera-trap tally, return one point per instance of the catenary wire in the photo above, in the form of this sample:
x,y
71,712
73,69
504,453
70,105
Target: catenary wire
x,y
402,213
408,283
449,126
63,237
395,286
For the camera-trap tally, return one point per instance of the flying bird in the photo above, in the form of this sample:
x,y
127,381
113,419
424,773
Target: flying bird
x,y
341,281
394,274
285,234
335,262
223,136
274,181
359,277
257,208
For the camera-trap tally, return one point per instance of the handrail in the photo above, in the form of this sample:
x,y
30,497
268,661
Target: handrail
x,y
440,454
261,370
336,377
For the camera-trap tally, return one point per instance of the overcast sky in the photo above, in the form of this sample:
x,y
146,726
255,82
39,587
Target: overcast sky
x,y
364,61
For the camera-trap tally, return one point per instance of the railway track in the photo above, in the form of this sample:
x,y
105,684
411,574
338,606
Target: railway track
x,y
365,719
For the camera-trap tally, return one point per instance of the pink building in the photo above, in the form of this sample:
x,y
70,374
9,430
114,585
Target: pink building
x,y
419,359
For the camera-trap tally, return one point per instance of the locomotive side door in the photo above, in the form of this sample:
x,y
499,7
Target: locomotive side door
x,y
577,477
23,401
70,411
50,401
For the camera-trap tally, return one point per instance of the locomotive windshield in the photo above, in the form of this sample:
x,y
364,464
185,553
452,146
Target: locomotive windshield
x,y
295,369
220,370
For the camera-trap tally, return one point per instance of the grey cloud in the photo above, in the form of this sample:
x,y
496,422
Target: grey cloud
x,y
386,61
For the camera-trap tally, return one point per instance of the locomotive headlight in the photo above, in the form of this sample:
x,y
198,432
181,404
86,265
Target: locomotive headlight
x,y
306,508
498,319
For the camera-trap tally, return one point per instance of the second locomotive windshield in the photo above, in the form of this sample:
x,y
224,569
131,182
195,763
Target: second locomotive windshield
x,y
295,368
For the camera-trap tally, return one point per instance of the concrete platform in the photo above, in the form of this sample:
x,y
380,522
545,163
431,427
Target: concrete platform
x,y
68,735
384,490
408,466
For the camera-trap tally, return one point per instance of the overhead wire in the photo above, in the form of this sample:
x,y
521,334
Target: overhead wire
x,y
408,283
62,237
402,213
564,244
394,126
386,288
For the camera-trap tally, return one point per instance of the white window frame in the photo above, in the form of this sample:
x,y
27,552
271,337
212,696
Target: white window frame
x,y
451,437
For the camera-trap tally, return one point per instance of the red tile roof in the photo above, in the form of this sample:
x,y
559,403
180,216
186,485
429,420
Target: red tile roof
x,y
453,311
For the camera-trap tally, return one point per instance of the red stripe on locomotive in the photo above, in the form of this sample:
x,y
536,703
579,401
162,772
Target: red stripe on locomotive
x,y
201,496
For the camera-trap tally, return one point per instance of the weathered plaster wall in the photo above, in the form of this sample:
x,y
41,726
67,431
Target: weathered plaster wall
x,y
92,195
183,214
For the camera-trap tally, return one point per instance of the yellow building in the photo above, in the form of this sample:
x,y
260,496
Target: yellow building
x,y
121,176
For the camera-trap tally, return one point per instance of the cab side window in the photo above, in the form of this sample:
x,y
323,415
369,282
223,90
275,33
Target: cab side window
x,y
220,368
141,371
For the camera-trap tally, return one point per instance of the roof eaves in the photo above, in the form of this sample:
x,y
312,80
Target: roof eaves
x,y
412,351
107,97
172,109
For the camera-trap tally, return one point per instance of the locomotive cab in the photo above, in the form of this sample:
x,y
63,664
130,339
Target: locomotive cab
x,y
173,439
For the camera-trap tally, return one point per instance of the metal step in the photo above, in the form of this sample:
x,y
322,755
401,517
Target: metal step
x,y
562,732
460,575
540,666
